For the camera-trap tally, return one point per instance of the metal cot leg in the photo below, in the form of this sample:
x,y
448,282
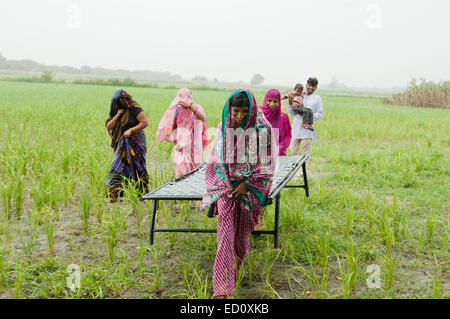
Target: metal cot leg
x,y
305,179
277,215
152,224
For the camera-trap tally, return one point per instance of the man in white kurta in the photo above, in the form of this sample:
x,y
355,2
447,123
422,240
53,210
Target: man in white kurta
x,y
300,135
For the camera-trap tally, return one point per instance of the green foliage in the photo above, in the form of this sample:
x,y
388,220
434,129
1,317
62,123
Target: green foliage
x,y
33,66
423,83
378,177
46,76
199,78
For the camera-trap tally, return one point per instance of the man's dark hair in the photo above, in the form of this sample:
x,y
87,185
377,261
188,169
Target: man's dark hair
x,y
312,81
240,99
298,86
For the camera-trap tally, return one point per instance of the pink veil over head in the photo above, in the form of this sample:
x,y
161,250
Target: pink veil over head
x,y
164,130
272,115
191,133
278,119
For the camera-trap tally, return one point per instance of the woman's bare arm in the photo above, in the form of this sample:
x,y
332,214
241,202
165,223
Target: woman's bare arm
x,y
193,109
143,123
197,113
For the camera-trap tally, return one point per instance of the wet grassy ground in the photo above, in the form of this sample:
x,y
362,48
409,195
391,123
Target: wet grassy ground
x,y
376,224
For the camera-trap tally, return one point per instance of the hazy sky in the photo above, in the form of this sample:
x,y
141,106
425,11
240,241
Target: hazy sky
x,y
363,42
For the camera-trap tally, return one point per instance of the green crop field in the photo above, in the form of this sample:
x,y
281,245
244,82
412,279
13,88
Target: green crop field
x,y
376,224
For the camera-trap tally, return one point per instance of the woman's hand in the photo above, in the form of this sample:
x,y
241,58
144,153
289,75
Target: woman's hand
x,y
184,104
143,123
127,133
112,121
240,190
178,147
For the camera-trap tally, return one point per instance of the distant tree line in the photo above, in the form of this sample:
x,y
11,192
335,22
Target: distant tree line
x,y
28,65
423,83
48,77
33,66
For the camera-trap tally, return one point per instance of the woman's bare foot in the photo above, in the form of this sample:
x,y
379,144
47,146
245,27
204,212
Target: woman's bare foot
x,y
260,223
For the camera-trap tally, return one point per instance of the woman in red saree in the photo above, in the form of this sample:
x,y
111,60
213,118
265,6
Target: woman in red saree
x,y
238,179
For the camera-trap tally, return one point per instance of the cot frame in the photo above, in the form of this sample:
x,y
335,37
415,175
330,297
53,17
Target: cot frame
x,y
275,193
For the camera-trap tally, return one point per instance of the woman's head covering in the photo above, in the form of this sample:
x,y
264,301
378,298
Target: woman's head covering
x,y
120,100
223,174
272,114
249,120
191,133
279,120
164,131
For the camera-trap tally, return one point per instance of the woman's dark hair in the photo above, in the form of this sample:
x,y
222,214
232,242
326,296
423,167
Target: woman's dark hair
x,y
312,81
240,99
298,86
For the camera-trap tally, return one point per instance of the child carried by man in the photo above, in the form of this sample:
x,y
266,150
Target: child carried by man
x,y
296,100
301,134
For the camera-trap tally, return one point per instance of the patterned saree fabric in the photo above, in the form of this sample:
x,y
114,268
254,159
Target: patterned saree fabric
x,y
190,133
129,158
120,100
225,169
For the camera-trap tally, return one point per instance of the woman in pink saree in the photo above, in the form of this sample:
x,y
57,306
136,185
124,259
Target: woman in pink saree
x,y
238,179
280,121
184,124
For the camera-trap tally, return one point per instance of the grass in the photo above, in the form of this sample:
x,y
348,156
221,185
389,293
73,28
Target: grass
x,y
379,179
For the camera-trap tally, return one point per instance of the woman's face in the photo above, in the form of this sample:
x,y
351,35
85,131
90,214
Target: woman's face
x,y
272,103
238,113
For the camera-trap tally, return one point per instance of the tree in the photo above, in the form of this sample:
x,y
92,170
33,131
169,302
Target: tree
x,y
46,76
200,78
412,84
257,79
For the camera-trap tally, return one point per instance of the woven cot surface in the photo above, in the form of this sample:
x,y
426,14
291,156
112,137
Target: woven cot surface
x,y
192,184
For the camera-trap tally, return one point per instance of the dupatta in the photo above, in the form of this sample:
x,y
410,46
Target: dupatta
x,y
185,119
226,169
120,99
191,133
279,120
